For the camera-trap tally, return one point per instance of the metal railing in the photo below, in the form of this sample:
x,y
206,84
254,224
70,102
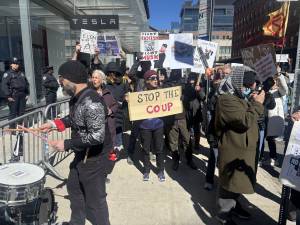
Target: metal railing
x,y
33,146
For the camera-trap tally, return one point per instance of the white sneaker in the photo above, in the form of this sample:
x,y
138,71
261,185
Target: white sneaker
x,y
208,186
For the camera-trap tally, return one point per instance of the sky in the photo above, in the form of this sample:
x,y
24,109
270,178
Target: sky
x,y
163,12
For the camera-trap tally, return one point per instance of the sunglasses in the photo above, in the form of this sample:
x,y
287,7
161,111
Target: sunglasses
x,y
152,78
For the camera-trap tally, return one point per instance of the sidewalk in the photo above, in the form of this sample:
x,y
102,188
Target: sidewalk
x,y
181,200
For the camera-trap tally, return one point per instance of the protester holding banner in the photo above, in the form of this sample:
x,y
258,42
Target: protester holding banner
x,y
176,127
236,125
152,131
96,63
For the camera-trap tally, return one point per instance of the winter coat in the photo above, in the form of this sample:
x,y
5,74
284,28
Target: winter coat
x,y
237,129
276,117
111,104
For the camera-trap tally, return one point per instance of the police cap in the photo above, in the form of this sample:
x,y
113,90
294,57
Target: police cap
x,y
14,60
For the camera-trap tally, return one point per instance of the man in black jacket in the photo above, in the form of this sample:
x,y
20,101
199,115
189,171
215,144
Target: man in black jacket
x,y
91,143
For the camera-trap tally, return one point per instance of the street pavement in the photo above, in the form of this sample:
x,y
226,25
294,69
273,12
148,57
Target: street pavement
x,y
180,200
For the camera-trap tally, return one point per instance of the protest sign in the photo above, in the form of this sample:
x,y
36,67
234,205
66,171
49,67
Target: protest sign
x,y
182,51
88,41
282,57
290,171
204,55
262,59
164,55
149,46
155,103
108,45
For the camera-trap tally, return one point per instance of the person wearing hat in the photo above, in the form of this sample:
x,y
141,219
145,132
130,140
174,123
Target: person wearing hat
x,y
15,87
237,130
119,90
91,142
152,131
51,86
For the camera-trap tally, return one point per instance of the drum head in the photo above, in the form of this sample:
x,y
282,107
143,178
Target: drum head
x,y
15,174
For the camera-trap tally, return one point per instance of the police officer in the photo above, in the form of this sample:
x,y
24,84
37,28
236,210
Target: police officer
x,y
51,86
15,88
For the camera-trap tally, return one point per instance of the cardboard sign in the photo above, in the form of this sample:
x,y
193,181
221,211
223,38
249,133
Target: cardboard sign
x,y
290,171
108,45
182,51
155,103
149,46
262,59
204,55
88,41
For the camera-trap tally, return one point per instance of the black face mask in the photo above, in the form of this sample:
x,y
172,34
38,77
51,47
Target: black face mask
x,y
69,89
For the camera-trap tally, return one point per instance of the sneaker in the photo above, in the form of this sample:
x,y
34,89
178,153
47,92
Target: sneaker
x,y
239,212
152,157
208,186
161,176
146,177
129,160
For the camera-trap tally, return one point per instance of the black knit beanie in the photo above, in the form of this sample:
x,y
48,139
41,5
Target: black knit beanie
x,y
249,78
73,71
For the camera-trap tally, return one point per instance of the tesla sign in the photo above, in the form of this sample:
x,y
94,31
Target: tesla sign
x,y
94,22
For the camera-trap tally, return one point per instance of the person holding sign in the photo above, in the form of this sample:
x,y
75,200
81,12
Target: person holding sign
x,y
152,131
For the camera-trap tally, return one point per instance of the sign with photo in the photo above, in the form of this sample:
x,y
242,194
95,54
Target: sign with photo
x,y
290,171
164,55
155,103
182,51
262,59
88,41
94,22
108,45
204,55
149,46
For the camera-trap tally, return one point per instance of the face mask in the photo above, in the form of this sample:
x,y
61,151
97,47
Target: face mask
x,y
247,91
69,89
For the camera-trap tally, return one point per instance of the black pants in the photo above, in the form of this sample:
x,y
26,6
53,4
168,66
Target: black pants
x,y
51,97
211,166
155,136
86,189
272,147
17,107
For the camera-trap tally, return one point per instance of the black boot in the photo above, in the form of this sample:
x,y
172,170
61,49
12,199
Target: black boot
x,y
189,159
197,141
175,158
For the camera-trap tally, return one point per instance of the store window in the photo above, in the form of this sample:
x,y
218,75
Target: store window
x,y
50,42
10,41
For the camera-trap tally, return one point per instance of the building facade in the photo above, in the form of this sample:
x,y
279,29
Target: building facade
x,y
249,22
38,33
189,17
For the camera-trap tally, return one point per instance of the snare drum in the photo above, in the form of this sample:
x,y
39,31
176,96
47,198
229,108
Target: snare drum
x,y
20,183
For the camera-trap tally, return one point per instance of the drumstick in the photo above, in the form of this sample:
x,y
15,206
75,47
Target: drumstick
x,y
32,132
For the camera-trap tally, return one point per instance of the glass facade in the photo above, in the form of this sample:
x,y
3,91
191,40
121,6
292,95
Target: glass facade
x,y
189,19
50,40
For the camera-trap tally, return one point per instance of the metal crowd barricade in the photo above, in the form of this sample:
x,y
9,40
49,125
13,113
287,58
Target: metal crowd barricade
x,y
53,111
30,145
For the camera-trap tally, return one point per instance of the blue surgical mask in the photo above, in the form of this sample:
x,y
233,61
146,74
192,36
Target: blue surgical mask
x,y
247,91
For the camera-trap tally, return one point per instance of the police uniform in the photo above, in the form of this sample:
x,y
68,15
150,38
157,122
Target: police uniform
x,y
51,86
15,85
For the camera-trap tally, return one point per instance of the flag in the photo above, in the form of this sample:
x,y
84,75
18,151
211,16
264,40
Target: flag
x,y
276,26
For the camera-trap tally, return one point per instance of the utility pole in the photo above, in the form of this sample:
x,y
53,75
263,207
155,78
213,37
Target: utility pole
x,y
296,89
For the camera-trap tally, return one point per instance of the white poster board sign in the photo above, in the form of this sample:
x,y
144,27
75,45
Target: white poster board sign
x,y
290,171
149,46
204,51
282,57
109,45
164,55
182,51
88,41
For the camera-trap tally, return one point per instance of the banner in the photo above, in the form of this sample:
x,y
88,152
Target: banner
x,y
203,21
204,55
262,59
94,22
149,46
88,41
155,103
182,51
290,171
108,45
